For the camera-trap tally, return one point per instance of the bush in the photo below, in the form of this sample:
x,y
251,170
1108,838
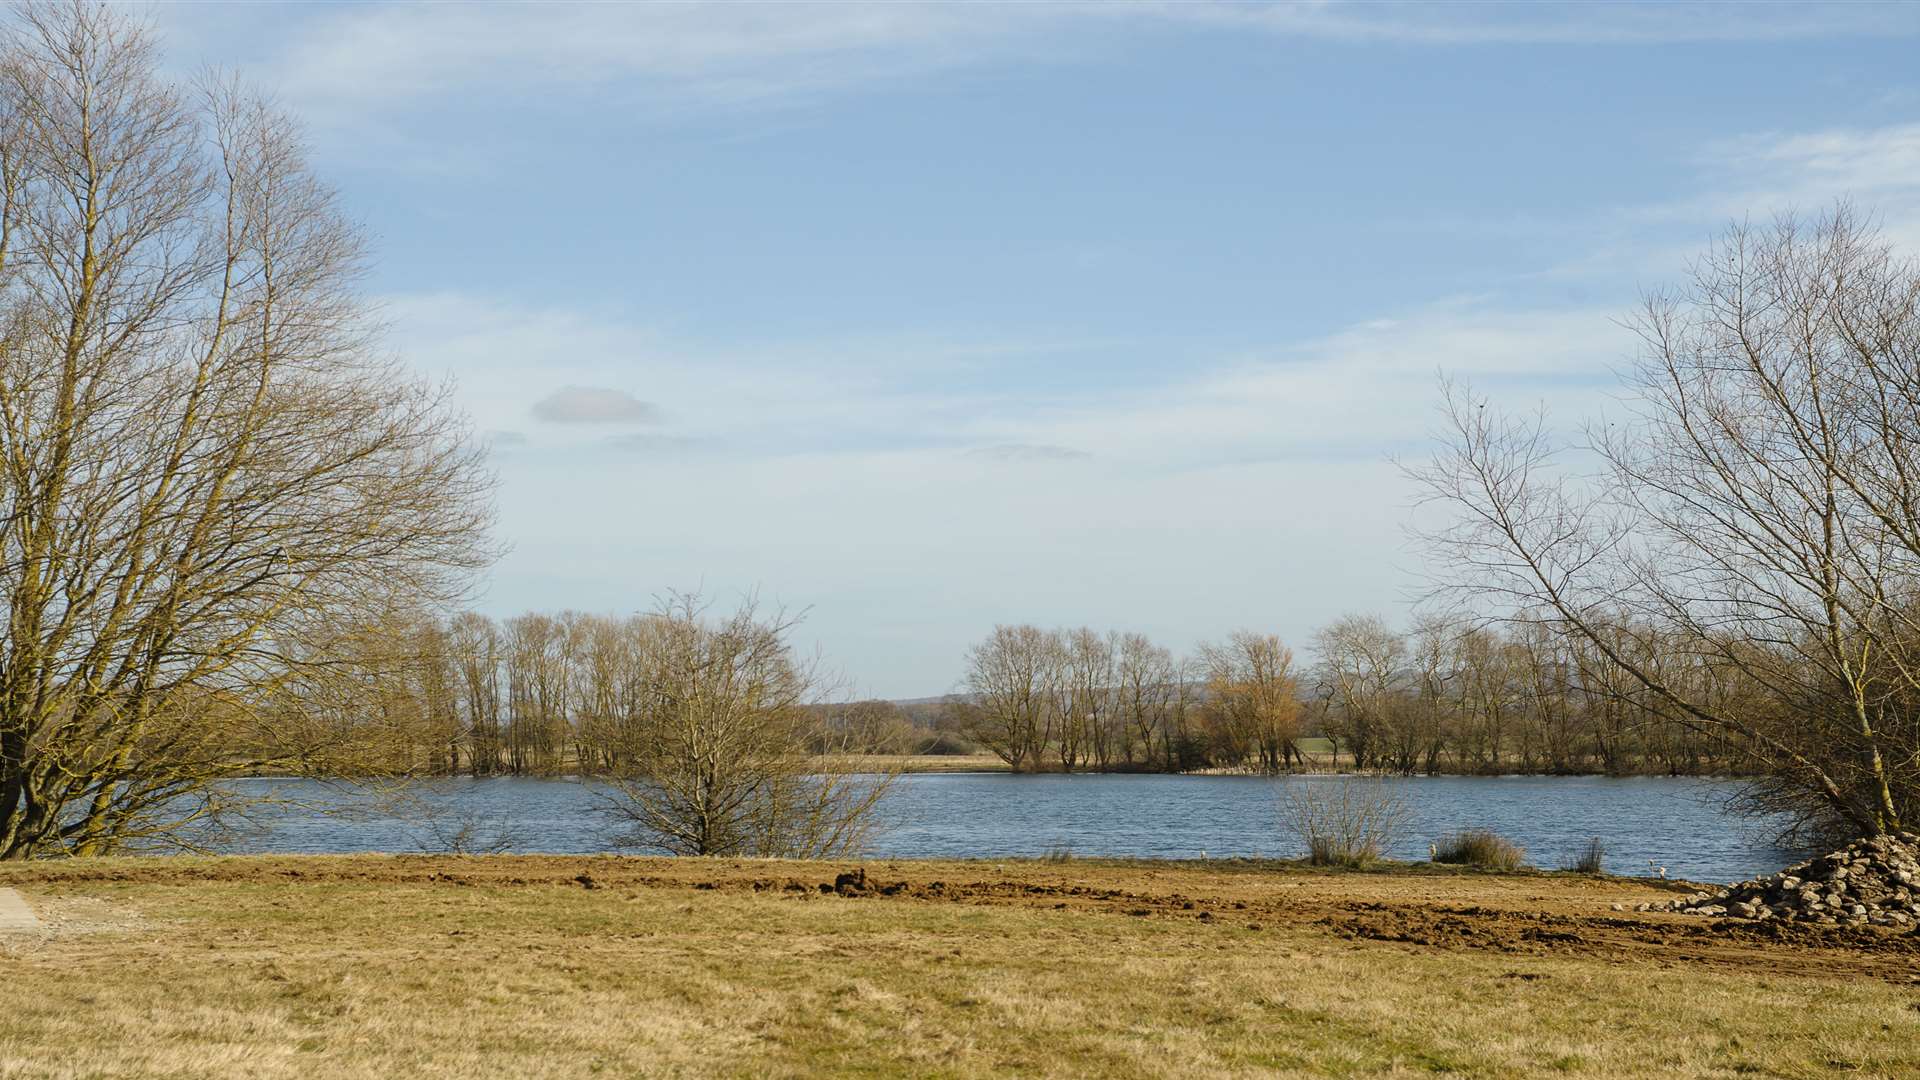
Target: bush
x,y
1590,858
947,743
1483,848
1349,822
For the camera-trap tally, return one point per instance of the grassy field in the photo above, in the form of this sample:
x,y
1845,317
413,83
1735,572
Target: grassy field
x,y
565,967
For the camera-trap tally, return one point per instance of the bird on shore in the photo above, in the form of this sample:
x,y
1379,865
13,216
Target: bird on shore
x,y
1659,871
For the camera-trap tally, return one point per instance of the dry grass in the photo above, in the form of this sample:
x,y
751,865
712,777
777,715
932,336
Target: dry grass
x,y
1591,858
349,970
1483,848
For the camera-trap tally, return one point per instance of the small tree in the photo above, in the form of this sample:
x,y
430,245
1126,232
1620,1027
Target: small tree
x,y
716,762
1351,821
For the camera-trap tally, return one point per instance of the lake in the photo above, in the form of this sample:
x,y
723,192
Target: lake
x,y
1673,822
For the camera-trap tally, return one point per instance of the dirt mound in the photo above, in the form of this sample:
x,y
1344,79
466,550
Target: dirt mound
x,y
856,883
1874,881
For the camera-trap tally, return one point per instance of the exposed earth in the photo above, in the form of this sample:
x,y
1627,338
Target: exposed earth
x,y
452,967
1429,908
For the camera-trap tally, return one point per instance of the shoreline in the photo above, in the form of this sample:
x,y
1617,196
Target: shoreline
x,y
980,764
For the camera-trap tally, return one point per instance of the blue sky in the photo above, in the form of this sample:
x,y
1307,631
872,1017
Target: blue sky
x,y
927,317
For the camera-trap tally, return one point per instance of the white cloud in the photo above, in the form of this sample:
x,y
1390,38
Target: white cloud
x,y
1363,393
1878,169
593,405
786,399
1871,159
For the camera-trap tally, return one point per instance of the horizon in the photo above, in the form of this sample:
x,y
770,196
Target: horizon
x,y
925,319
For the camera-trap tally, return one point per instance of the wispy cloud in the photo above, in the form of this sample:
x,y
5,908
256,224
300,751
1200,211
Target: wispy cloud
x,y
1756,175
1546,22
773,398
1880,164
1017,453
374,55
651,444
1363,392
368,59
593,405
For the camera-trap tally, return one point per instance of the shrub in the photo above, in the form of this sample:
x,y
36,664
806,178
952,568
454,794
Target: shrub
x,y
1483,848
1590,859
947,743
1348,822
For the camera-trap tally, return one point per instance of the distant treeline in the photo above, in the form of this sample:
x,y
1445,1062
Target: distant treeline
x,y
579,694
541,694
1442,698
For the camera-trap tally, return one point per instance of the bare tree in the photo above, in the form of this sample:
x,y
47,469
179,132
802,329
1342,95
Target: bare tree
x,y
1145,694
866,727
1360,666
474,650
717,762
1084,678
1253,699
1746,558
1424,725
209,478
1009,683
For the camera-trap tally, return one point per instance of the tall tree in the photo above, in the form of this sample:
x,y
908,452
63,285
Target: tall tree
x,y
1253,699
1749,557
1009,686
211,480
1360,668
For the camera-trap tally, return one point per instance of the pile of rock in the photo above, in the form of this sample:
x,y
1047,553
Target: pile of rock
x,y
1874,881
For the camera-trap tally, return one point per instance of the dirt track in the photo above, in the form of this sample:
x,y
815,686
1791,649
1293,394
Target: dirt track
x,y
1524,914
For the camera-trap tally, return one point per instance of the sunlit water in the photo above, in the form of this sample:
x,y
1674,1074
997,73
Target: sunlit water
x,y
1645,822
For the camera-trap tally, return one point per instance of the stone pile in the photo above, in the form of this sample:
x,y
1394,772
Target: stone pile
x,y
1874,881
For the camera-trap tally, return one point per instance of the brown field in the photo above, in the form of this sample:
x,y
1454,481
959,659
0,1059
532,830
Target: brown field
x,y
440,966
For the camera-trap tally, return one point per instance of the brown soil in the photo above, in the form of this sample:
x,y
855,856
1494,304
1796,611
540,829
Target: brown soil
x,y
1521,914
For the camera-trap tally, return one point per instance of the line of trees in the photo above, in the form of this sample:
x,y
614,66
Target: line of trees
x,y
572,693
1440,698
708,728
580,694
